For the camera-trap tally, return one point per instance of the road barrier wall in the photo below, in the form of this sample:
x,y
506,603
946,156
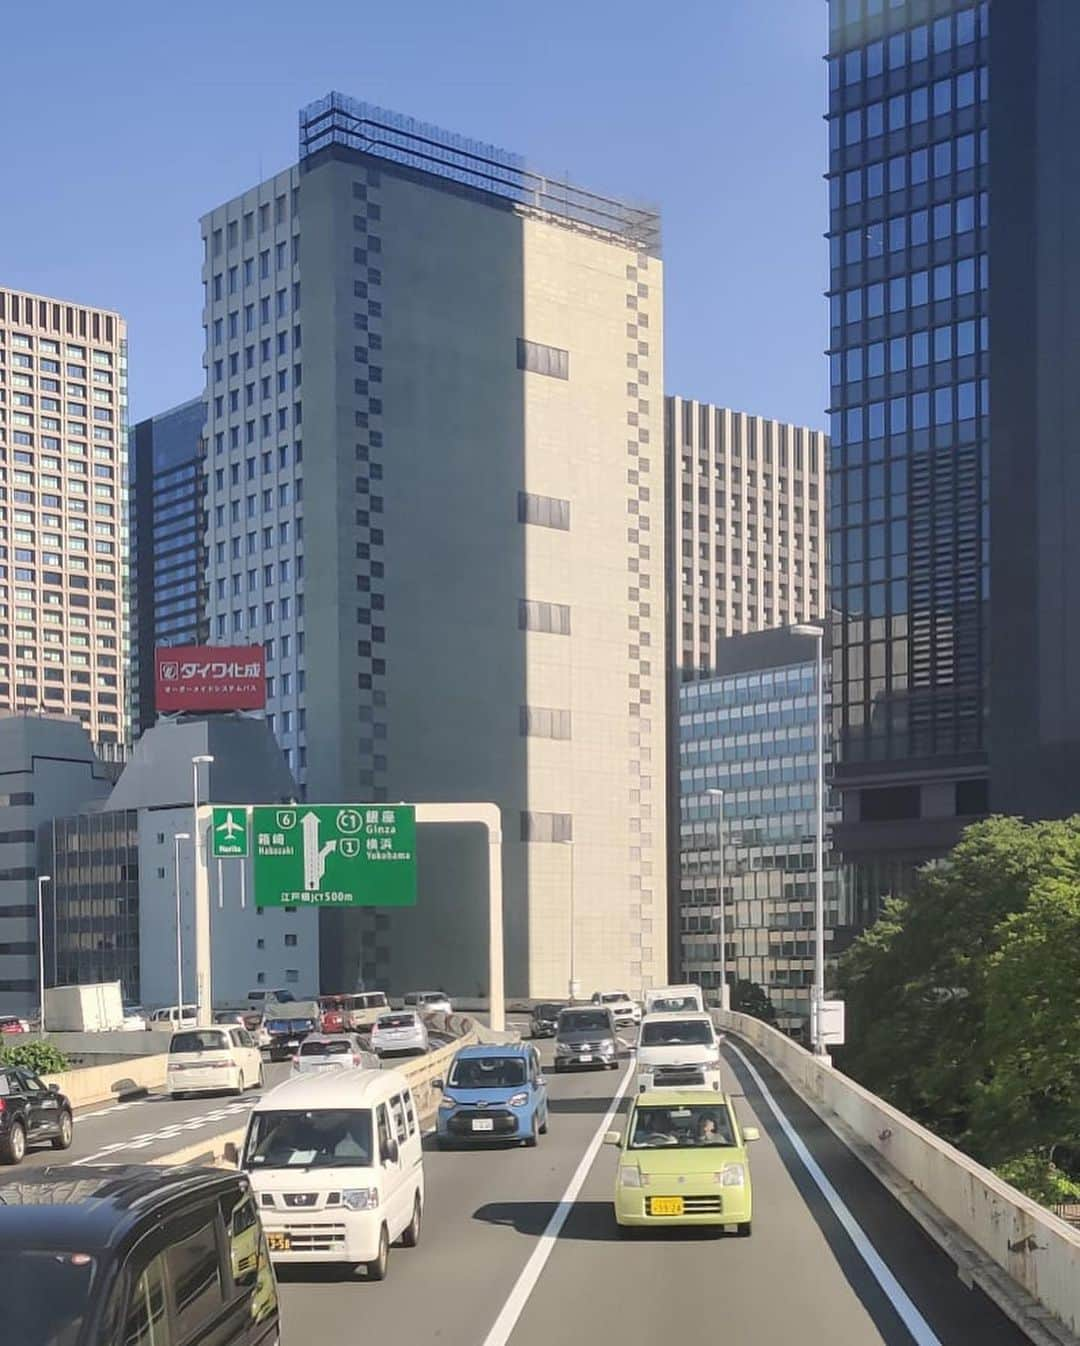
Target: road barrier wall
x,y
102,1084
1037,1251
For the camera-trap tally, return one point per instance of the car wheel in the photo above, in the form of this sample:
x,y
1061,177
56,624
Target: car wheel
x,y
66,1130
544,1126
411,1237
261,1080
13,1145
444,1142
559,1067
376,1271
743,1230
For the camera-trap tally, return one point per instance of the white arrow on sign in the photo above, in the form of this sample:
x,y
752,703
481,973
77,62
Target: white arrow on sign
x,y
314,855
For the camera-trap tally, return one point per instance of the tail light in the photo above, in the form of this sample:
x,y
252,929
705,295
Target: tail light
x,y
3,1105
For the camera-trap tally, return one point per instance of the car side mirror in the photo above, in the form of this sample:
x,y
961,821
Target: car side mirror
x,y
54,1088
751,1133
438,1084
612,1137
541,1079
231,1153
391,1153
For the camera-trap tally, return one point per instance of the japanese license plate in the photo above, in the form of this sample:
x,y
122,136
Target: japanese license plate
x,y
278,1243
585,1056
666,1205
483,1124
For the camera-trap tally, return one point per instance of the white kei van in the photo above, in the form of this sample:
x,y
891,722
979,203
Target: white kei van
x,y
337,1164
678,1051
674,999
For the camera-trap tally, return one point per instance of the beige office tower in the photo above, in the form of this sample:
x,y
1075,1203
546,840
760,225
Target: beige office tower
x,y
436,489
63,517
748,525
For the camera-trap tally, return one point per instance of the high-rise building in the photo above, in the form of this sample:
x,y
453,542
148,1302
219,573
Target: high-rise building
x,y
954,552
63,636
747,750
435,491
167,572
746,508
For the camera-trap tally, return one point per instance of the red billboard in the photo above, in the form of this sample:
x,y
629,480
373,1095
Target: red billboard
x,y
210,677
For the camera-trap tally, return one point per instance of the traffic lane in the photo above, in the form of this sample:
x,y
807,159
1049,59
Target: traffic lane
x,y
953,1313
147,1128
798,1267
450,1289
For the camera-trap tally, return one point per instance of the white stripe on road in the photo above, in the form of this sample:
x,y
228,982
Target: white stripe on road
x,y
916,1324
525,1284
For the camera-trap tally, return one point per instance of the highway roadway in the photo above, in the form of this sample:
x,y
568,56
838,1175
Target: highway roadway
x,y
519,1248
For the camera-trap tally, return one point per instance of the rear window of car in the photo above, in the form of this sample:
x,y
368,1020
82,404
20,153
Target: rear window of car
x,y
335,1047
198,1040
398,1021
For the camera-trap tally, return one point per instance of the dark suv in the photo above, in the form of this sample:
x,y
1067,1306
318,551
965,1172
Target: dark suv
x,y
30,1113
127,1254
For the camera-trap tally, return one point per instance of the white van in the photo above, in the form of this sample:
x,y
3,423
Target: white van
x,y
678,1051
674,999
171,1017
337,1163
213,1061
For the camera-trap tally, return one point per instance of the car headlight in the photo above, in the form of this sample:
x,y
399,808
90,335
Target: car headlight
x,y
360,1198
447,1102
607,1045
631,1176
731,1175
562,1049
518,1100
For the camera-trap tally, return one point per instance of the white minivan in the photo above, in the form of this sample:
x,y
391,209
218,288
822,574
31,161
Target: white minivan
x,y
337,1164
678,1051
220,1059
674,999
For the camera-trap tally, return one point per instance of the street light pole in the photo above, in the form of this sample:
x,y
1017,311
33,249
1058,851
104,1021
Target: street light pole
x,y
203,988
572,987
725,990
178,837
818,999
43,879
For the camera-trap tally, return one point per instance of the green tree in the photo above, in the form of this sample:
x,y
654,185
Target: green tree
x,y
40,1057
1037,1176
749,997
916,983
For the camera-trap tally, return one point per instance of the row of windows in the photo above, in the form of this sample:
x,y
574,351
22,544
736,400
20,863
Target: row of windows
x,y
759,746
286,254
537,358
537,616
896,51
717,694
940,283
910,109
231,235
915,412
545,510
941,343
285,573
540,722
267,347
901,171
281,611
742,803
546,826
284,530
287,493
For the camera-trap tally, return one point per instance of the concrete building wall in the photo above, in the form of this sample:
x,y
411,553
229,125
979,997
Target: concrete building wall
x,y
63,369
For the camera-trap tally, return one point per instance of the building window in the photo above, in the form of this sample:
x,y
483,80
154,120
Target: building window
x,y
543,722
536,358
547,511
546,826
292,976
551,617
290,941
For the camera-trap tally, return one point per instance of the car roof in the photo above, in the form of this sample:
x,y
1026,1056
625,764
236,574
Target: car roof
x,y
673,1098
329,1037
337,1089
88,1208
483,1050
676,1016
397,1013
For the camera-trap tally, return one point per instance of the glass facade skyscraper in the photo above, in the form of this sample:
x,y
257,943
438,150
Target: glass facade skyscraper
x,y
909,192
751,732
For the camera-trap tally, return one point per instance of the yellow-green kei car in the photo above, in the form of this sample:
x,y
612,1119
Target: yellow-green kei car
x,y
682,1161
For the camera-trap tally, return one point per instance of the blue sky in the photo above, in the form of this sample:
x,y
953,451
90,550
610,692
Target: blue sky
x,y
125,122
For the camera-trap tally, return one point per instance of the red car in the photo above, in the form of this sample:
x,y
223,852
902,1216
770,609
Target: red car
x,y
11,1023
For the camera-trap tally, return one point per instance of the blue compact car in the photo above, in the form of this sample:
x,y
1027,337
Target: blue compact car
x,y
493,1093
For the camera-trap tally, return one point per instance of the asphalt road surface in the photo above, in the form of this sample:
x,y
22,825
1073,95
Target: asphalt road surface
x,y
519,1247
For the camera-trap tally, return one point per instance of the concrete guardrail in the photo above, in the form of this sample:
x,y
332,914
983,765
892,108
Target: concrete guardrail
x,y
420,1072
987,1226
102,1084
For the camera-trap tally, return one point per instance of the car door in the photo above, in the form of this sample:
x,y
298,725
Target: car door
x,y
42,1106
539,1085
252,1056
392,1171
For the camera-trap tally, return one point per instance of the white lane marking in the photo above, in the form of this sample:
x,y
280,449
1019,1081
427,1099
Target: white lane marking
x,y
920,1330
525,1284
143,1139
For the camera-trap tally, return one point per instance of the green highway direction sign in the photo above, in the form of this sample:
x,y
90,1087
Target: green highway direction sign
x,y
334,855
229,831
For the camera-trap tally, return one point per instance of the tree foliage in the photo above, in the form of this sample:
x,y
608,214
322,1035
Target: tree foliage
x,y
962,1000
40,1057
749,997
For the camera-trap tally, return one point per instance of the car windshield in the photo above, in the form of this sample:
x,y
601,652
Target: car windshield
x,y
547,1011
487,1072
45,1295
330,1138
613,997
685,1128
335,1047
584,1021
397,1021
677,1033
199,1040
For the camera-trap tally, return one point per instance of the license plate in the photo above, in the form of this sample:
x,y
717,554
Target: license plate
x,y
278,1243
483,1124
666,1205
585,1056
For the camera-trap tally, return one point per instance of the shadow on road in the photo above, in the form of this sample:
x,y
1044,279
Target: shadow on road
x,y
579,1106
588,1222
313,1273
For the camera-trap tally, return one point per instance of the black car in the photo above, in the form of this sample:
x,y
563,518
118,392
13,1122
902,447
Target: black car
x,y
544,1019
123,1254
30,1113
